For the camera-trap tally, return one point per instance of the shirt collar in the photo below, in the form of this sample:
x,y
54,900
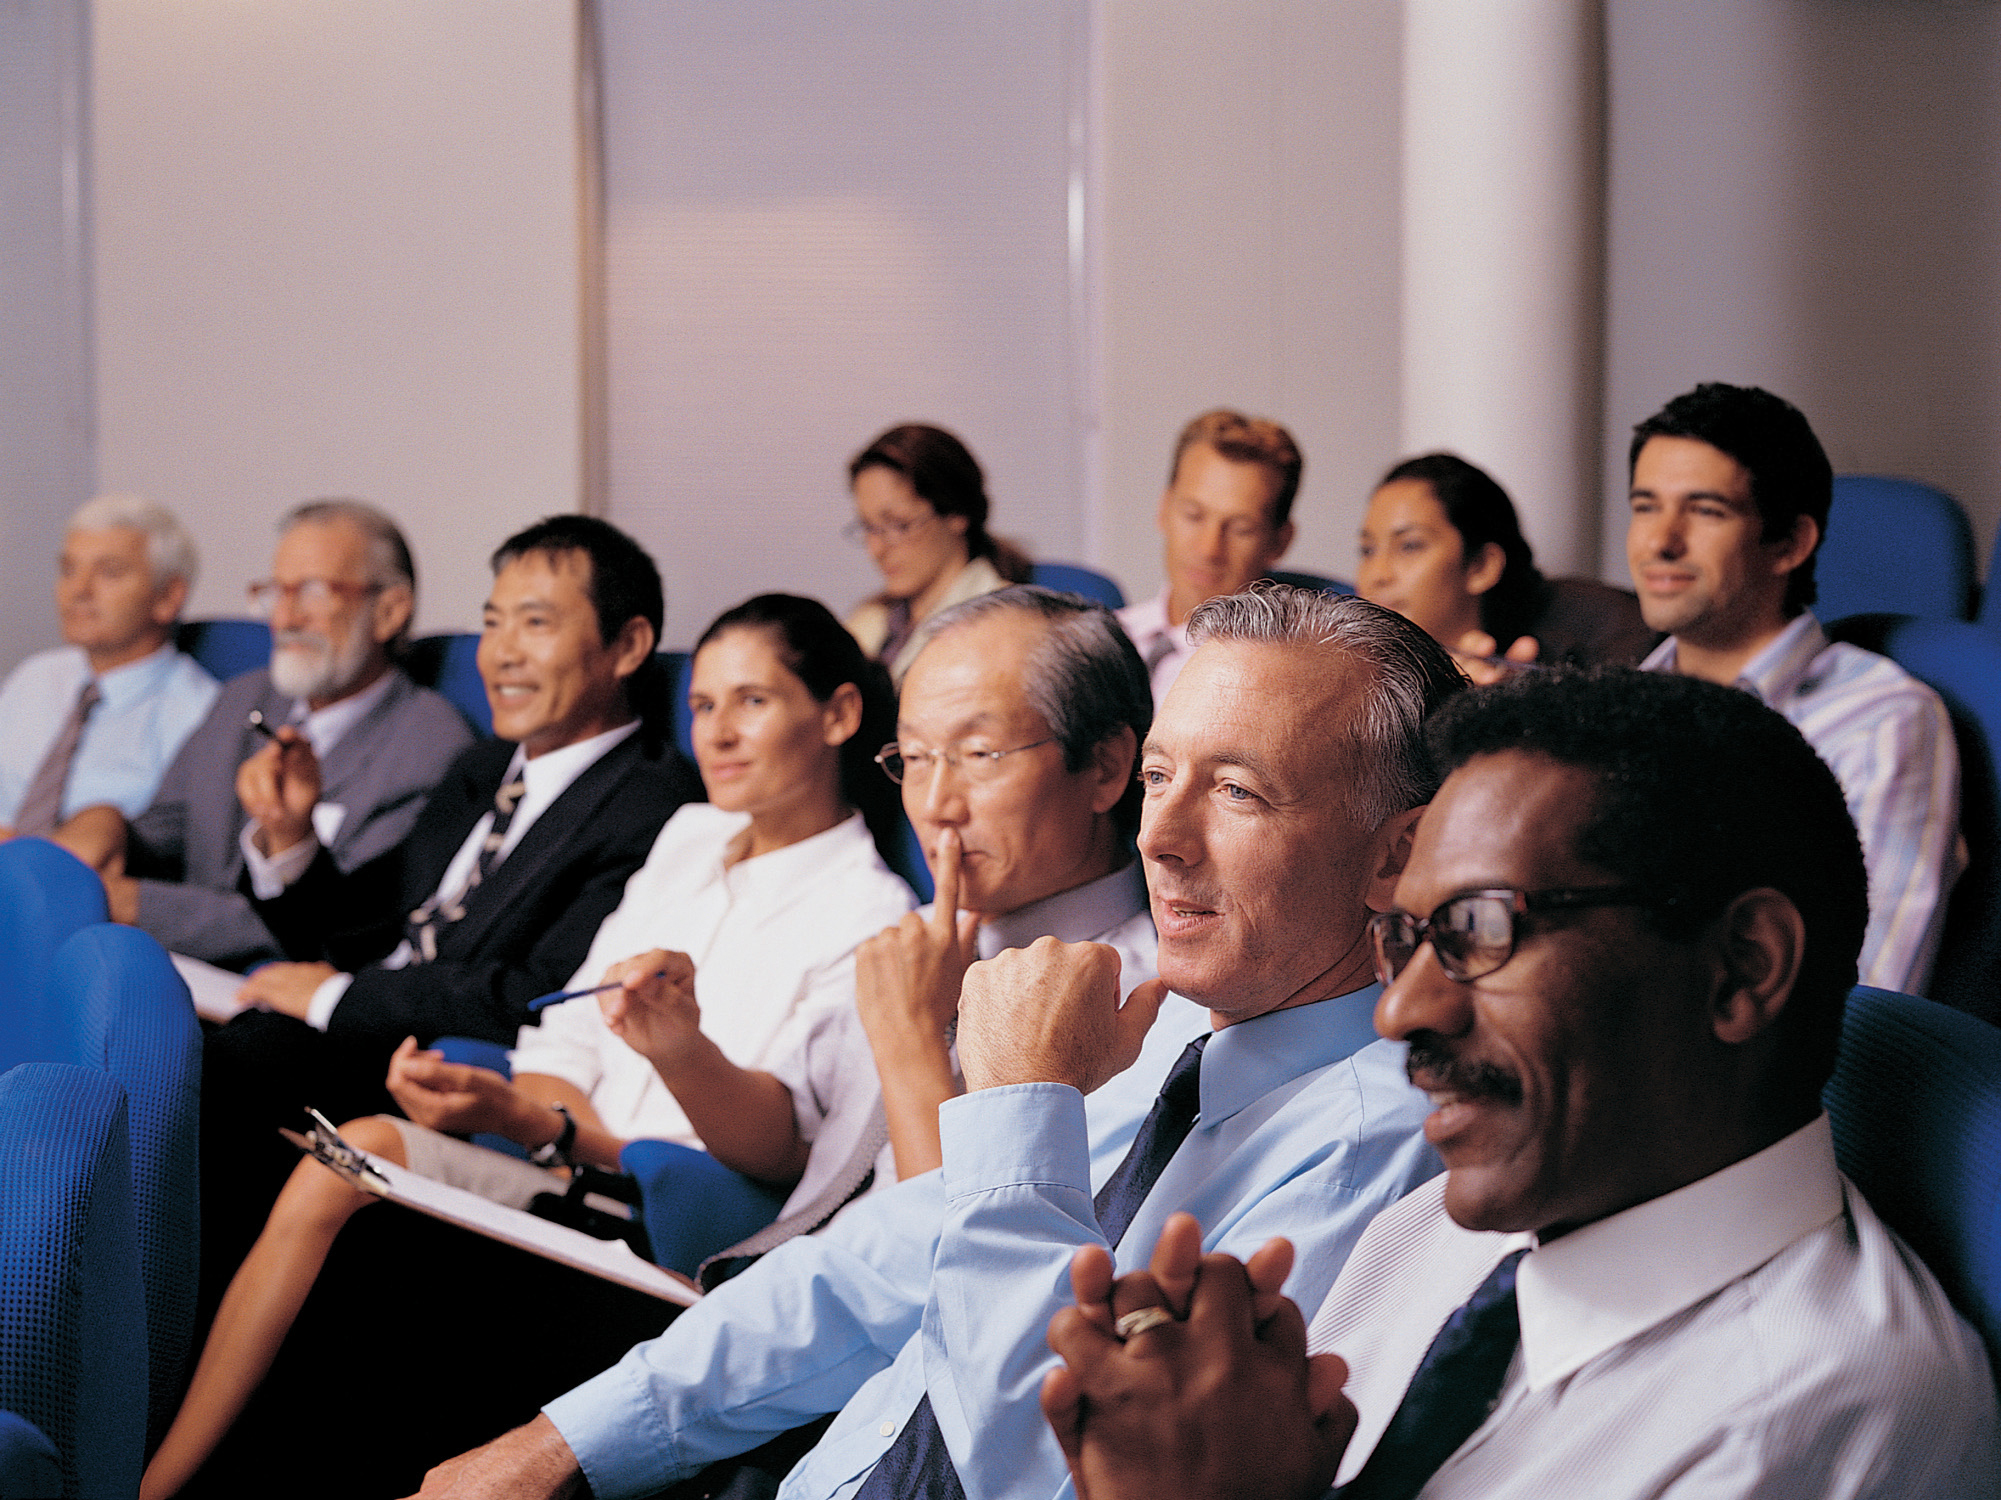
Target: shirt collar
x,y
1244,1062
1776,673
1073,916
1596,1287
549,775
778,869
328,726
135,679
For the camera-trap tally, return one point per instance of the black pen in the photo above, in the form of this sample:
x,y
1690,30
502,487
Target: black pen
x,y
256,722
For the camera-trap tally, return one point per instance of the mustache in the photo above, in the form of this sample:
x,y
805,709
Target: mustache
x,y
1432,1066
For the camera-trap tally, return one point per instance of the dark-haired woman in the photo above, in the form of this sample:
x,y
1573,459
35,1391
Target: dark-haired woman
x,y
921,510
755,900
1441,545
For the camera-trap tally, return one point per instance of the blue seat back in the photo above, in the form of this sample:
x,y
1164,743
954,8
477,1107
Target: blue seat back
x,y
1070,578
72,1306
30,1467
226,648
1916,1105
1313,581
116,1004
693,1204
1961,662
1894,546
46,893
678,665
1990,596
449,664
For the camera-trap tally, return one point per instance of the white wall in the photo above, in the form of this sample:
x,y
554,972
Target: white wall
x,y
338,252
1251,251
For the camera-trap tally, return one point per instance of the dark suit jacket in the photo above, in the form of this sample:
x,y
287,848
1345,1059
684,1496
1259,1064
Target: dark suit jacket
x,y
525,928
184,847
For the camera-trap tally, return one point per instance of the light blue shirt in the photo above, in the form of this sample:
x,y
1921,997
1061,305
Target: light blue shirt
x,y
798,1333
1307,1128
147,710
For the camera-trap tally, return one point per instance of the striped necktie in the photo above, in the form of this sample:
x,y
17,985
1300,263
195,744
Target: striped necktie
x,y
421,930
41,808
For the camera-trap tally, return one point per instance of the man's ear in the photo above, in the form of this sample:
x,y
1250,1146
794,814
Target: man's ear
x,y
1112,763
1798,547
393,607
841,714
631,646
1389,852
168,601
1763,941
1281,540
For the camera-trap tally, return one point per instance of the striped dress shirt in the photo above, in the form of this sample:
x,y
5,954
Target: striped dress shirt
x,y
1756,1333
1888,740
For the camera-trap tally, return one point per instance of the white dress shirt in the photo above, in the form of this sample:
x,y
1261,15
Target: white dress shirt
x,y
1756,1333
1889,742
771,937
1163,647
146,711
546,777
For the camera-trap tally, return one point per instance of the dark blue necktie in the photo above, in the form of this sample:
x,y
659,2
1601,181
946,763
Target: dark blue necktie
x,y
1454,1389
917,1463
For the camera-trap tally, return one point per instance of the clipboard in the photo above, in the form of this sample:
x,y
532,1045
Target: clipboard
x,y
611,1260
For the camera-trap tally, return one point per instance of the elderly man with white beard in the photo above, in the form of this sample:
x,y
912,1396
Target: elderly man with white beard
x,y
340,599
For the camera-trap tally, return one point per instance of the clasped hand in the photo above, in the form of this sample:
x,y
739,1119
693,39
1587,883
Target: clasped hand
x,y
278,787
452,1098
1050,1013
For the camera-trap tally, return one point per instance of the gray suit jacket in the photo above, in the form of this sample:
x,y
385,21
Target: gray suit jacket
x,y
184,847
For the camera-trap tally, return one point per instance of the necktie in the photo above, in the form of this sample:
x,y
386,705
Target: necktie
x,y
41,808
917,1463
855,1174
1454,1389
421,930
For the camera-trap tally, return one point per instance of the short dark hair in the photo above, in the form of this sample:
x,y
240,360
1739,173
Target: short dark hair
x,y
1772,440
1478,509
623,585
1085,679
1703,794
1247,440
817,649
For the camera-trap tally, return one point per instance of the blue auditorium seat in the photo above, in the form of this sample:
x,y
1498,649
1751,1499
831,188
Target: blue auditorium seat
x,y
449,664
1894,546
72,1305
1916,1106
225,648
1071,578
46,893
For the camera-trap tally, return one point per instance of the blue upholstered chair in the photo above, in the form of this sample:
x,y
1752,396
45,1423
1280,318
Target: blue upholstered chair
x,y
678,665
1313,581
1070,578
1894,546
30,1467
226,648
72,1305
116,1004
1916,1106
449,664
1990,596
46,893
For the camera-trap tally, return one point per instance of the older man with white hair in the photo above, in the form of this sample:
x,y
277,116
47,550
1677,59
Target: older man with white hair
x,y
97,719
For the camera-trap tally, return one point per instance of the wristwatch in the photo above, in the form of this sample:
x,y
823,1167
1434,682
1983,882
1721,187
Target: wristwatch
x,y
556,1153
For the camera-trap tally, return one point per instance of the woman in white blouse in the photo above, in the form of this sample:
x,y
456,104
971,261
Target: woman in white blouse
x,y
760,896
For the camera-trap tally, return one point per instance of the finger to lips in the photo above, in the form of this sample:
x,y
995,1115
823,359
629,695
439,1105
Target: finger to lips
x,y
945,910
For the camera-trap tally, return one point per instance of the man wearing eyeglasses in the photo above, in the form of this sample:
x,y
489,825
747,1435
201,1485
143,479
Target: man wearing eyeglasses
x,y
1619,955
340,601
1277,791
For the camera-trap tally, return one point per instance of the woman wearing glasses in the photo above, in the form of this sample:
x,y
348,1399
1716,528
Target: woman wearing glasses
x,y
751,903
921,510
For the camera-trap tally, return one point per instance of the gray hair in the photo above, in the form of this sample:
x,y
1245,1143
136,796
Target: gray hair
x,y
170,551
1084,678
389,562
1410,675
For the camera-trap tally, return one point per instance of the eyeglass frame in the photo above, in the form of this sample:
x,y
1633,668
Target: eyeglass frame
x,y
860,532
294,592
1519,904
955,759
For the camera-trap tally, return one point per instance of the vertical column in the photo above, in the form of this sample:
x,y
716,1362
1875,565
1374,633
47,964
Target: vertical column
x,y
1503,251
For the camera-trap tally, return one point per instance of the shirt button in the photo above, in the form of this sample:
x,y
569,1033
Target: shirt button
x,y
888,1429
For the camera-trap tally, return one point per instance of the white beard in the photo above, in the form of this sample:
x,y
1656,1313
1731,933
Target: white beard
x,y
305,664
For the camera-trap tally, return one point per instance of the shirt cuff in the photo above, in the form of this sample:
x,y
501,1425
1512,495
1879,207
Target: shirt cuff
x,y
1025,1132
616,1432
320,1009
270,875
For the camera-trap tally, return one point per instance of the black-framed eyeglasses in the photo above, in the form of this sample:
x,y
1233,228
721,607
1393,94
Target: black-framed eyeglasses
x,y
1475,932
899,764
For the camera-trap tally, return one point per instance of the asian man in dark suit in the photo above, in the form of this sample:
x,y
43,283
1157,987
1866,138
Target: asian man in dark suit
x,y
521,852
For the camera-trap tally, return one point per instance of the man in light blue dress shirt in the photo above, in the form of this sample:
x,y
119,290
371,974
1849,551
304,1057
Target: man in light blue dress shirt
x,y
123,577
1280,786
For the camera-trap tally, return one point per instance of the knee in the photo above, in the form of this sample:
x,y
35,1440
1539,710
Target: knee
x,y
377,1135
